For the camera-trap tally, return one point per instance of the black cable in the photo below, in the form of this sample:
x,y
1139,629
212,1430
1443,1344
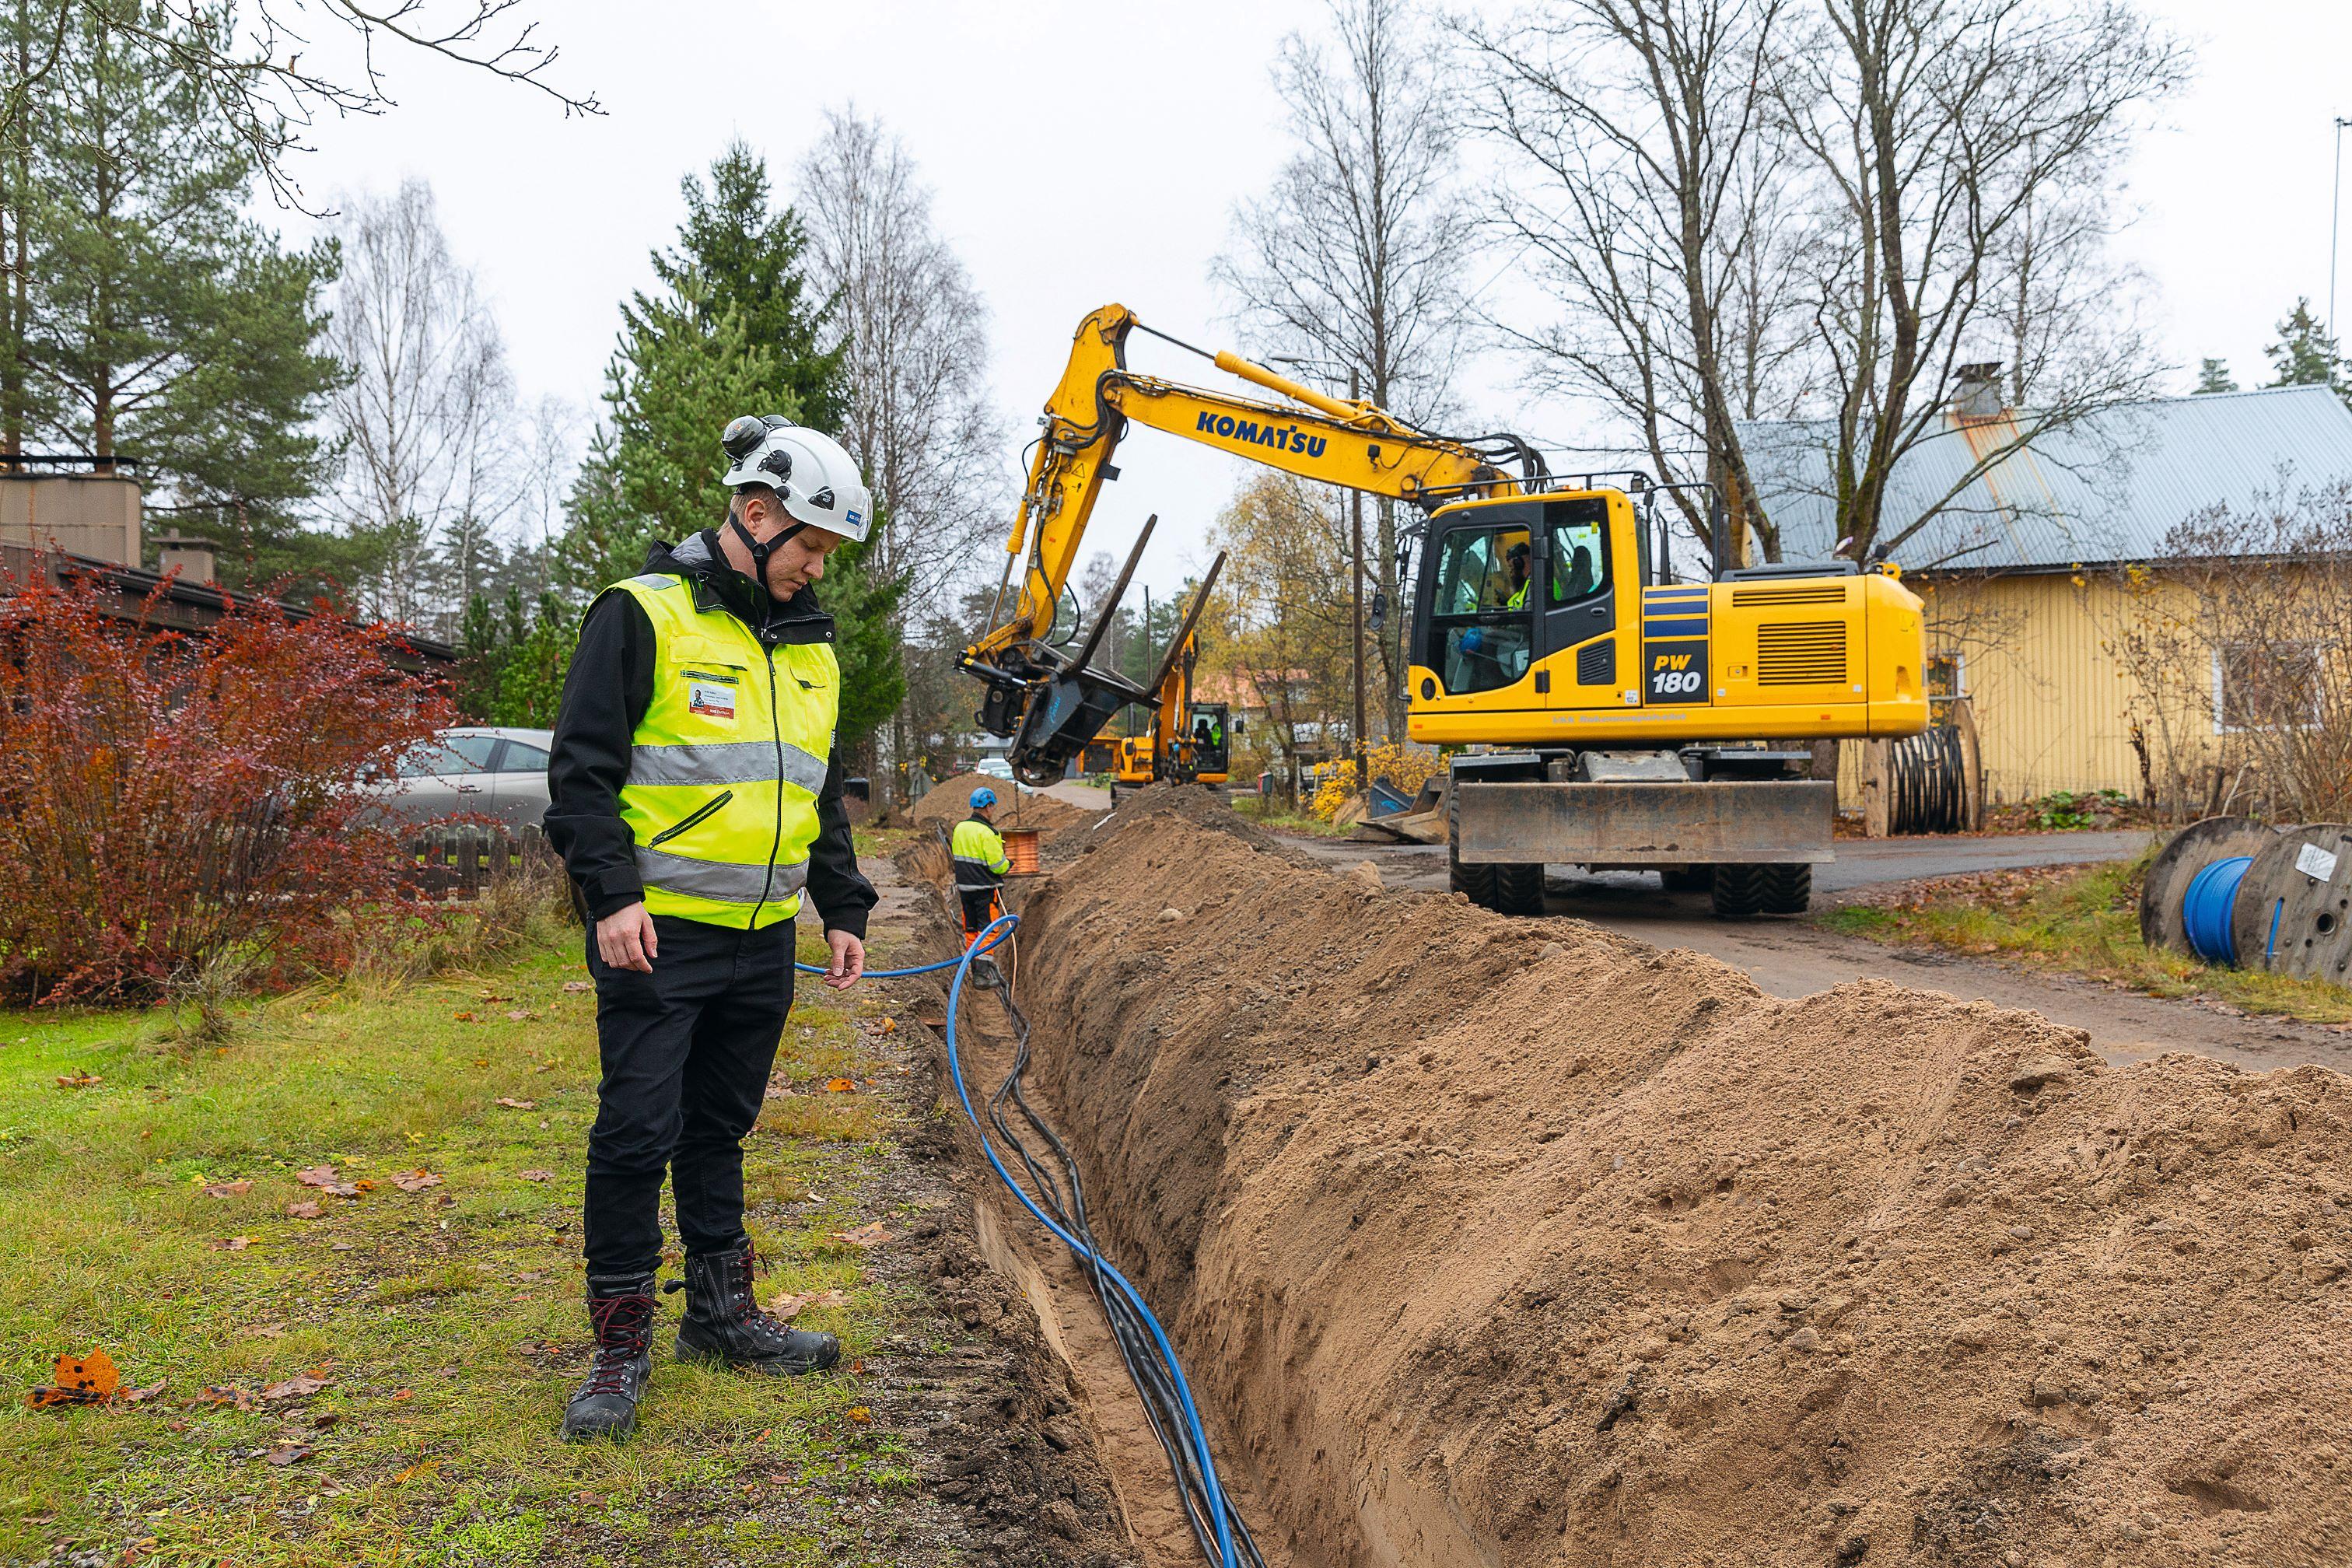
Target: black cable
x,y
1064,1198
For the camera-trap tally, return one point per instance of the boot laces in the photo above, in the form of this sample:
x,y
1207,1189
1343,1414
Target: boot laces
x,y
624,1327
743,1304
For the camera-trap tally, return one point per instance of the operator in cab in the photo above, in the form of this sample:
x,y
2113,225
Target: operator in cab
x,y
981,865
1516,562
695,796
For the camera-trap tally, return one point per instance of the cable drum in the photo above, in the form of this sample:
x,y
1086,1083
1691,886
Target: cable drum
x,y
1927,783
2208,908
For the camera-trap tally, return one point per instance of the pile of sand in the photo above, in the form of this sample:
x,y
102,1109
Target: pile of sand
x,y
950,801
1504,1242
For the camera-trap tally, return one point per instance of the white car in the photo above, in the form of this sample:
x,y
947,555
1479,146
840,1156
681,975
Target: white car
x,y
475,769
995,768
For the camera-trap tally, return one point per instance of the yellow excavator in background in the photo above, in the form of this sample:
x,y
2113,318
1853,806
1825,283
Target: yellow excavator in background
x,y
1186,741
1607,713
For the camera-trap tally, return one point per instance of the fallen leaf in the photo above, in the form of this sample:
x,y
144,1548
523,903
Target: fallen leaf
x,y
512,1104
791,1305
266,1331
841,1085
325,1418
463,1017
227,1189
289,1453
140,1395
429,1467
361,1185
341,1245
403,1395
301,1385
78,1079
208,1395
536,1175
318,1176
416,1180
92,1375
232,1243
578,986
310,1210
495,997
520,1015
860,1413
872,1235
889,1026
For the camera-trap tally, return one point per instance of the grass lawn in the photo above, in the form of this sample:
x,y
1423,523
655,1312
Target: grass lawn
x,y
147,1213
2083,920
1269,813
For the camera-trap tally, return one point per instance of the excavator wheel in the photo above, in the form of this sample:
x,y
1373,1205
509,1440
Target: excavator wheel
x,y
1788,890
1476,883
1520,889
1739,893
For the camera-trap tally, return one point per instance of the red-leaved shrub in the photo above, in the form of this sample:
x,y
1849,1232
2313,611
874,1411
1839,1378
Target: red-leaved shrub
x,y
170,800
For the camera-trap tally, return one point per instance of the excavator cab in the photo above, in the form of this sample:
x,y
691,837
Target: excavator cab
x,y
1212,743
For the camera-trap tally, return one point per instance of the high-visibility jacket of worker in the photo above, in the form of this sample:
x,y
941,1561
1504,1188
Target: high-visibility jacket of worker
x,y
980,864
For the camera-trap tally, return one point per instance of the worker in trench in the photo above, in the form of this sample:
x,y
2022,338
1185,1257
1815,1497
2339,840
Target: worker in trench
x,y
981,865
695,796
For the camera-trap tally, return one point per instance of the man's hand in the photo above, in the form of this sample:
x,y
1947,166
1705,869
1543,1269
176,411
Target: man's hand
x,y
848,960
625,939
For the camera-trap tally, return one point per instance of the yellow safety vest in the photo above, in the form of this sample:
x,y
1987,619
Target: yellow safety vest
x,y
977,851
727,763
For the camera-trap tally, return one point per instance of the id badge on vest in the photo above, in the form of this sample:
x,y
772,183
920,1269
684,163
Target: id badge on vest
x,y
711,694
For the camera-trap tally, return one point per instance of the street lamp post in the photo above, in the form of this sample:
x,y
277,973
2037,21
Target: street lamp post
x,y
2335,221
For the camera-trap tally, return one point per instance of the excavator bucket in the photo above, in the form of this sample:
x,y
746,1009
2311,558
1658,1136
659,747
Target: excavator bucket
x,y
1064,712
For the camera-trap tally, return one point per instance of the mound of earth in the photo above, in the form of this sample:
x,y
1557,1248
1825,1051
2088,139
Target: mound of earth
x,y
950,801
1517,1242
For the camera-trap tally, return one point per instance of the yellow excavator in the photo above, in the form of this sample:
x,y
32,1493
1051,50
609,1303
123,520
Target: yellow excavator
x,y
1186,740
1605,712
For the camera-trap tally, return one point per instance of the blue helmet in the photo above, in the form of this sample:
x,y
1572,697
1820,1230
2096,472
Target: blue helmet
x,y
983,798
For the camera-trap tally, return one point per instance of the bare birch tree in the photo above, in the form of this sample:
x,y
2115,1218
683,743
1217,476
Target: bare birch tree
x,y
913,370
1655,216
1934,131
425,417
1352,259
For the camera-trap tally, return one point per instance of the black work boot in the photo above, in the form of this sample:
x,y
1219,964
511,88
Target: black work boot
x,y
621,1314
724,1323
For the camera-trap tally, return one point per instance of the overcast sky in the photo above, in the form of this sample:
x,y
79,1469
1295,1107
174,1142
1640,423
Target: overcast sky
x,y
1082,153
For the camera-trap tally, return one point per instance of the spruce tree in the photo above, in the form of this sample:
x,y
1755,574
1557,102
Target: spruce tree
x,y
734,332
2213,375
2305,354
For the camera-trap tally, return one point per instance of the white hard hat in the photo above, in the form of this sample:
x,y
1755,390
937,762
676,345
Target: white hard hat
x,y
811,472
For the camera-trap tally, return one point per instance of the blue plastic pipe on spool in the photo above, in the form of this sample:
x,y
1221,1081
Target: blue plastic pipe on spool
x,y
2206,906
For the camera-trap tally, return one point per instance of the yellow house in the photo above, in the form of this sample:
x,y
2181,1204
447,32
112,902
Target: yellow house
x,y
2042,566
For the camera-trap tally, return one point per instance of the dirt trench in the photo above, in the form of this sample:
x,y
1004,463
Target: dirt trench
x,y
1497,1242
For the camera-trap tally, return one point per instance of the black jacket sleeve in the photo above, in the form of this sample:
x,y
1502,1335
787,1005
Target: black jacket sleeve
x,y
841,891
605,695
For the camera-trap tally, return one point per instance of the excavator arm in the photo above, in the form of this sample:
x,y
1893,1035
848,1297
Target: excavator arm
x,y
1051,702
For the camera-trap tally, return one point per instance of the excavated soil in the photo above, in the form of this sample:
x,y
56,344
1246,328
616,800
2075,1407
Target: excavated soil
x,y
1498,1242
950,802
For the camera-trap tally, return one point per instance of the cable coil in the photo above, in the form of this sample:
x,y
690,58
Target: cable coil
x,y
2209,905
1926,783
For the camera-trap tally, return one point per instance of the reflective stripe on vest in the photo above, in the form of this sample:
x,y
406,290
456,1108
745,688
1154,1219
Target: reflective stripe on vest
x,y
726,766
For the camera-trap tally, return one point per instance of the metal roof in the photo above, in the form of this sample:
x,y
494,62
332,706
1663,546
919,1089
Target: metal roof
x,y
2106,487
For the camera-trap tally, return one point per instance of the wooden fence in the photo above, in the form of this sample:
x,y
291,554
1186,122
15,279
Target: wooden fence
x,y
459,862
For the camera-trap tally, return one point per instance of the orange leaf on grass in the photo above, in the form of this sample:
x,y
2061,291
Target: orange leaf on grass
x,y
78,1079
301,1385
536,1175
429,1467
576,986
232,1243
416,1180
513,1104
227,1189
791,1305
312,1209
860,1413
318,1175
841,1085
463,1017
872,1235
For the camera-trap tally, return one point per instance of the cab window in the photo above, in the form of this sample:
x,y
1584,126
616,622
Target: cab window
x,y
1479,611
1579,536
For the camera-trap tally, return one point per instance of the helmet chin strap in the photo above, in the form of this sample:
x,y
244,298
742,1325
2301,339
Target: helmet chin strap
x,y
762,549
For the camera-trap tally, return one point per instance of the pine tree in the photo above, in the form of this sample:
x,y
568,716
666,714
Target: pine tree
x,y
162,322
2213,375
2305,354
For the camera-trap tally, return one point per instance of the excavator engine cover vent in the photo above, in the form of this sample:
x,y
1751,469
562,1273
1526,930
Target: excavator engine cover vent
x,y
1768,597
1801,653
1596,663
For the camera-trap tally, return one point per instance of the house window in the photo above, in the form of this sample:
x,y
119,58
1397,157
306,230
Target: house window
x,y
2265,686
1948,672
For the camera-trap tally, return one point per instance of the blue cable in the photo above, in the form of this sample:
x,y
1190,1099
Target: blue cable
x,y
1199,1437
902,973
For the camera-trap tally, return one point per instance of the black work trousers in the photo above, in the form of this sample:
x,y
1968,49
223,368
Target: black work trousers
x,y
687,1051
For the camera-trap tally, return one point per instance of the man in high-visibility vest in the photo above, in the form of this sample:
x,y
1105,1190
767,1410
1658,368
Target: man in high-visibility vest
x,y
696,793
1516,561
981,865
